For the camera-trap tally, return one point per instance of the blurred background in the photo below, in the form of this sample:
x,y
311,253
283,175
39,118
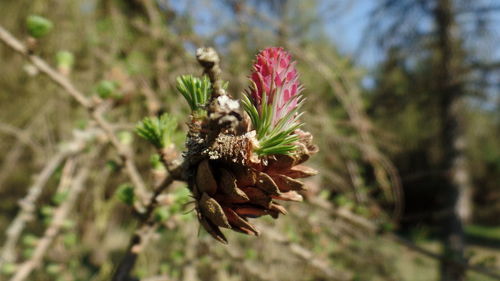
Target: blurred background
x,y
402,98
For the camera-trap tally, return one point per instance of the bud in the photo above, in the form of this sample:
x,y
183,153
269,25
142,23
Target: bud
x,y
59,197
125,137
9,268
30,240
161,214
273,101
125,193
65,61
38,26
53,268
158,131
275,82
107,89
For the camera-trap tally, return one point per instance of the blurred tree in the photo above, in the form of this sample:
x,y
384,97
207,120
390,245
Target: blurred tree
x,y
427,76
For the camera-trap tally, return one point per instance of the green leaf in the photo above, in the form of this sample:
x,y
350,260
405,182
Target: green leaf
x,y
277,138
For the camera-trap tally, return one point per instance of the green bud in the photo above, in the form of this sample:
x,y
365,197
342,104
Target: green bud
x,y
177,256
106,89
158,131
324,194
47,211
29,240
388,227
38,26
161,214
65,60
361,210
125,193
68,224
125,137
9,268
28,253
113,165
53,268
81,124
47,220
59,197
164,268
156,162
70,239
250,254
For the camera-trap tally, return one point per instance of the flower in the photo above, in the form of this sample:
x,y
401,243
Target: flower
x,y
273,100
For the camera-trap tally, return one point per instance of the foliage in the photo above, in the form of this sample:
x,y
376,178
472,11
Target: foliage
x,y
142,48
196,91
158,130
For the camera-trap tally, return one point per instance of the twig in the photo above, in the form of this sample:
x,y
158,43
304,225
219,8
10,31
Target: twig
x,y
372,227
411,246
157,278
209,59
306,255
58,78
15,153
52,231
22,135
147,226
27,204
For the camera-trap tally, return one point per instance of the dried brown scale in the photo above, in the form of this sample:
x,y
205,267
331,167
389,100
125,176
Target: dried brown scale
x,y
230,183
229,192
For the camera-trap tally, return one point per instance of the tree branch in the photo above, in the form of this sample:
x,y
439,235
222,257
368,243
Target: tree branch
x,y
147,226
61,80
27,204
52,231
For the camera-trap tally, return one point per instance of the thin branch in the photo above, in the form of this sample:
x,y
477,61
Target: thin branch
x,y
15,153
28,203
373,228
22,136
147,226
411,246
61,80
157,278
52,231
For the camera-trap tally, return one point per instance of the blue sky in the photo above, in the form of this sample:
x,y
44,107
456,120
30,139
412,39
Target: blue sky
x,y
346,31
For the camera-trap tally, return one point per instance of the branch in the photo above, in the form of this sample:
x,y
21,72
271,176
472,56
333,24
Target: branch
x,y
372,228
66,84
209,60
465,265
146,227
27,204
52,231
22,136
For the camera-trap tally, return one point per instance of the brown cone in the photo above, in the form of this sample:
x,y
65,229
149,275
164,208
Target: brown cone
x,y
229,193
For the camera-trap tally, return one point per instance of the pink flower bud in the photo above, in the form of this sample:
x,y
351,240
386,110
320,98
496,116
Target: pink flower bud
x,y
275,76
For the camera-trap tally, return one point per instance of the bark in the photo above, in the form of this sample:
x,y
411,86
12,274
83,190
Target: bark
x,y
451,89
